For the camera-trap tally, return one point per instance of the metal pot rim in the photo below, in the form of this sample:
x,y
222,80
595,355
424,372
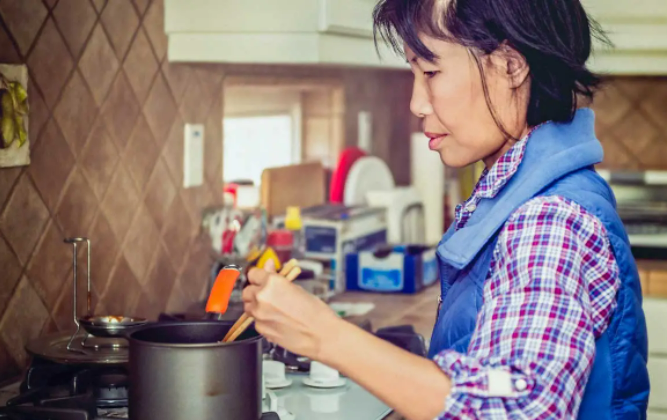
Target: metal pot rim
x,y
216,344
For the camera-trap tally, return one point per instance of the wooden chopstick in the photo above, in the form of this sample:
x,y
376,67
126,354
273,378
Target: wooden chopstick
x,y
289,266
293,274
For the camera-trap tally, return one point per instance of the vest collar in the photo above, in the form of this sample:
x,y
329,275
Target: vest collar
x,y
553,151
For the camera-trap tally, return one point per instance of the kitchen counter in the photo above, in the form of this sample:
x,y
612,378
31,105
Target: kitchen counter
x,y
418,310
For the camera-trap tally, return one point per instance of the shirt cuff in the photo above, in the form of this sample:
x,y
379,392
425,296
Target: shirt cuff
x,y
474,380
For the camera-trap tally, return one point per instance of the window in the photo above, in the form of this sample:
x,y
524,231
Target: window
x,y
261,129
271,122
255,143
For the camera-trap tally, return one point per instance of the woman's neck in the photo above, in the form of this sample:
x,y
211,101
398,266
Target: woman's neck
x,y
491,160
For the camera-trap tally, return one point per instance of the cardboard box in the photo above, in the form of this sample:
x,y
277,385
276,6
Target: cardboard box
x,y
400,269
331,232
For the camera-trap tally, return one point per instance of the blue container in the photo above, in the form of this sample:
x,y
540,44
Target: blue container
x,y
400,269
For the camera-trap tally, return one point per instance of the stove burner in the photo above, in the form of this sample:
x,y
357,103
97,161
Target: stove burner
x,y
56,391
111,390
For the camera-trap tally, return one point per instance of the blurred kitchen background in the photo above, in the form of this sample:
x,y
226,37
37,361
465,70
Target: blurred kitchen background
x,y
176,135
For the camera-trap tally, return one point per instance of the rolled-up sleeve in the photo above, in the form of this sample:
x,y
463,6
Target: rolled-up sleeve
x,y
550,294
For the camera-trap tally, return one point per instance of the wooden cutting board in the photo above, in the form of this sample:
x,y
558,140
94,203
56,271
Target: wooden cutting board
x,y
302,185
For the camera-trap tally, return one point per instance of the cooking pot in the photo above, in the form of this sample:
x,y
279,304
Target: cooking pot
x,y
180,371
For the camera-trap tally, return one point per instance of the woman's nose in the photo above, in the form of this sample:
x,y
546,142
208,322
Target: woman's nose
x,y
420,104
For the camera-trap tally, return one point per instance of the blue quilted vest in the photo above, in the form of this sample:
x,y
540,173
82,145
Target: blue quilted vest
x,y
558,160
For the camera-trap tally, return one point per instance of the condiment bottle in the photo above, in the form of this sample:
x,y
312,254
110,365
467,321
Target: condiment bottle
x,y
293,224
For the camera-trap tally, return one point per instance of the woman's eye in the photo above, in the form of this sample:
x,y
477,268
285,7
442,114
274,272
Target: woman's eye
x,y
430,74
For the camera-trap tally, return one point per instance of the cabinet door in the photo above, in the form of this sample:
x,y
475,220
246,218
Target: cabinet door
x,y
347,17
656,415
655,311
657,371
240,17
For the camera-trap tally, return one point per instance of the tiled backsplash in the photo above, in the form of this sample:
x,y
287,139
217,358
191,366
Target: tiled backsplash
x,y
106,127
631,123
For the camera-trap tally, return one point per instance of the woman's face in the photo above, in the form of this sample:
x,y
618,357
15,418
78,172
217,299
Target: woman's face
x,y
449,97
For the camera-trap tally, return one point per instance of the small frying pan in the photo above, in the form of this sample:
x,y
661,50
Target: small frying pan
x,y
110,326
99,326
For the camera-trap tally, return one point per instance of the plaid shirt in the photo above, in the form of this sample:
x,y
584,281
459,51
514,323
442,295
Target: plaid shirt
x,y
549,294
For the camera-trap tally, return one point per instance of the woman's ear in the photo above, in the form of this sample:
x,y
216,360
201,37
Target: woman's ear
x,y
512,65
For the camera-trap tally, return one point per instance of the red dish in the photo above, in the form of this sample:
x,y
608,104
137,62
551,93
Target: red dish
x,y
345,162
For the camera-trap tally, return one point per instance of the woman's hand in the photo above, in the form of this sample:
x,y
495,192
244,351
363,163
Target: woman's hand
x,y
286,314
289,316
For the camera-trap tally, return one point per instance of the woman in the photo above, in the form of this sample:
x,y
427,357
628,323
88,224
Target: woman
x,y
540,312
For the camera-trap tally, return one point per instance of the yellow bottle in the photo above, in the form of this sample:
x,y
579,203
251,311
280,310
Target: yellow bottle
x,y
294,224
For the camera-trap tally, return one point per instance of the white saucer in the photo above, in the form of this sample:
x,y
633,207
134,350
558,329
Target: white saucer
x,y
316,384
278,385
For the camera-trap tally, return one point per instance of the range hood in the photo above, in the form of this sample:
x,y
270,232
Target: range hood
x,y
340,32
331,32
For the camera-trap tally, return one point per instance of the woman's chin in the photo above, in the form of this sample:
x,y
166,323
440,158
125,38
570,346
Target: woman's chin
x,y
453,161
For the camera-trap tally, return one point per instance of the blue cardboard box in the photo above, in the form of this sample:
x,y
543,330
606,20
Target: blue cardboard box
x,y
398,269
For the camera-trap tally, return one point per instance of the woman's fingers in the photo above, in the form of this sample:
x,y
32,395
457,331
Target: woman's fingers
x,y
249,297
270,266
258,276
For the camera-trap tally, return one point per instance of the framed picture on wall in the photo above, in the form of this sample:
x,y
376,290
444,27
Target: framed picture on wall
x,y
14,139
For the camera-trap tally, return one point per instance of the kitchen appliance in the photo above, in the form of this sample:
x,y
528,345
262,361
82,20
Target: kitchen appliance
x,y
91,389
405,214
642,206
333,231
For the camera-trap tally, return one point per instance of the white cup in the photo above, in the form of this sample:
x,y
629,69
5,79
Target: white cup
x,y
274,372
322,373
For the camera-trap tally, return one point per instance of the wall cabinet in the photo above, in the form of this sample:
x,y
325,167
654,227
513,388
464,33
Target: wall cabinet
x,y
332,32
340,32
638,30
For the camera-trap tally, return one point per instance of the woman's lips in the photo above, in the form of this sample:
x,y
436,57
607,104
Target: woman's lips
x,y
435,140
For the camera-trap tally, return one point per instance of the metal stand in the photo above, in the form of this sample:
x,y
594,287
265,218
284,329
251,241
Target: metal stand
x,y
108,343
75,243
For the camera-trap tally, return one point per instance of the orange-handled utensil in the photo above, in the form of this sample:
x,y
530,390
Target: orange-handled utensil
x,y
243,319
218,299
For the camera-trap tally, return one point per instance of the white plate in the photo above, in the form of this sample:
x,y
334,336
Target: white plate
x,y
278,385
368,173
316,384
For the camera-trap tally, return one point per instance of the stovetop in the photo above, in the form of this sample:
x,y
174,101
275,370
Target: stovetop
x,y
85,396
56,391
296,402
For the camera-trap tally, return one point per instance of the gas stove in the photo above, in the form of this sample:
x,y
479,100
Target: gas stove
x,y
52,391
55,390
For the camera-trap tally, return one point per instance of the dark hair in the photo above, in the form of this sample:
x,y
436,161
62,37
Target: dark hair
x,y
554,36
